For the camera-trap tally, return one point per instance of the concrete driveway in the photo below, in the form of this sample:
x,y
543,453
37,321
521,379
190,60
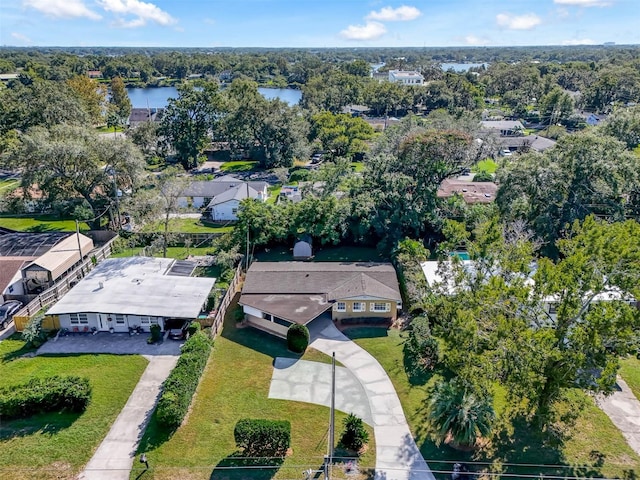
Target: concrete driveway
x,y
113,343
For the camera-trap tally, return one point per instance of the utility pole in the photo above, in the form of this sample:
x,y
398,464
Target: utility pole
x,y
79,244
332,419
247,256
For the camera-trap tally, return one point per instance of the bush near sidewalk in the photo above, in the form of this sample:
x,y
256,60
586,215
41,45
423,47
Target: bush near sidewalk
x,y
41,395
263,438
179,387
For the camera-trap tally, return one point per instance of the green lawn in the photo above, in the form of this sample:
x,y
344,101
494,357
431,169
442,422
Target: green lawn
x,y
596,447
188,225
105,129
486,165
179,253
235,385
630,372
357,167
326,254
58,445
7,185
274,192
238,166
40,223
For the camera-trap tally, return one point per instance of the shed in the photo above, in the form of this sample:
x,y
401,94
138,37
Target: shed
x,y
302,249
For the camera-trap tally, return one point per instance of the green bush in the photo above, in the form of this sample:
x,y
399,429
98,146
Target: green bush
x,y
483,176
40,395
193,328
156,333
299,175
354,435
297,338
179,387
263,438
421,349
33,334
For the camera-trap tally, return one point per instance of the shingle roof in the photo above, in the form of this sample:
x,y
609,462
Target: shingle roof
x,y
239,192
217,186
333,279
536,142
8,269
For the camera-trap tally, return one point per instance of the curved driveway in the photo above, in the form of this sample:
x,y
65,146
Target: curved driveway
x,y
397,455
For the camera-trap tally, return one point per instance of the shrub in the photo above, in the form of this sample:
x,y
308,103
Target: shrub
x,y
263,438
297,338
179,387
354,436
33,334
483,176
299,175
156,333
40,395
422,351
193,328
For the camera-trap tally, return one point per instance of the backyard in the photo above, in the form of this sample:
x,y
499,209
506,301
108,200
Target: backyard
x,y
596,448
235,385
58,445
40,223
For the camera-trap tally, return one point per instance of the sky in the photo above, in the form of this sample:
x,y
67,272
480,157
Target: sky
x,y
317,23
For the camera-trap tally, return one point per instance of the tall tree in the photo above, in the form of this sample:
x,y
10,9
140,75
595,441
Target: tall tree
x,y
189,119
341,134
119,100
91,94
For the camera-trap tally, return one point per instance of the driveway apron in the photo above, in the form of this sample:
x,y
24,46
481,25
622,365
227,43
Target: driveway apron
x,y
397,455
113,460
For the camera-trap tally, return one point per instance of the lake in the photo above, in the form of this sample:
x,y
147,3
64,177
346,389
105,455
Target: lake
x,y
157,97
461,67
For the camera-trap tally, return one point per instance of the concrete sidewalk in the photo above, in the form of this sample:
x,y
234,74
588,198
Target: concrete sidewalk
x,y
114,457
623,408
397,455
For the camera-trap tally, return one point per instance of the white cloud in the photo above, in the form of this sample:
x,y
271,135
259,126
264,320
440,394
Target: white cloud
x,y
584,3
369,31
518,22
581,41
20,37
400,14
143,11
473,40
62,8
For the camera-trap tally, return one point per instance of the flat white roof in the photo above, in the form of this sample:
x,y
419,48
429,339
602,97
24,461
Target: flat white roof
x,y
136,286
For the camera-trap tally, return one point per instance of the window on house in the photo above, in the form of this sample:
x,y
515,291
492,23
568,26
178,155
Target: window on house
x,y
380,307
120,319
341,307
359,307
552,309
234,211
78,318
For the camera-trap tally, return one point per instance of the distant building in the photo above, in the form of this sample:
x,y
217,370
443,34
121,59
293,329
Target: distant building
x,y
94,74
471,192
201,194
5,77
141,115
406,77
506,128
526,143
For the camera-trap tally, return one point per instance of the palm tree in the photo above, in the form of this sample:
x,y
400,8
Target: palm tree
x,y
459,414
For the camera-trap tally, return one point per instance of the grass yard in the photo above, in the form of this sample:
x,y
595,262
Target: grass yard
x,y
188,225
486,165
40,223
326,254
596,447
630,372
274,193
58,445
179,253
235,385
7,185
239,166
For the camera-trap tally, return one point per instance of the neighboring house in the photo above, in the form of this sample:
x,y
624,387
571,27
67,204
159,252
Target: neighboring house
x,y
593,119
526,143
142,115
506,128
224,207
200,194
471,192
406,77
355,110
123,293
276,295
291,192
45,258
94,74
6,77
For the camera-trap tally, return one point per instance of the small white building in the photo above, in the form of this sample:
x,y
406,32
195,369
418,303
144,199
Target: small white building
x,y
123,293
224,207
406,77
200,194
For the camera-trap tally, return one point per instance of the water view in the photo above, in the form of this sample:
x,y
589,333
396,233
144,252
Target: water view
x,y
461,67
158,97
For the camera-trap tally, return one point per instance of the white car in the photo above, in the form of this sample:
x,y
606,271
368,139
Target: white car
x,y
505,152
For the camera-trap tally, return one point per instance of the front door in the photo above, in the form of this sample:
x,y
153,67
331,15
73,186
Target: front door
x,y
119,323
103,324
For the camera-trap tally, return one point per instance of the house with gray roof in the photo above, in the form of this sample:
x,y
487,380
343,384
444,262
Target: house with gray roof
x,y
526,143
201,194
506,128
276,295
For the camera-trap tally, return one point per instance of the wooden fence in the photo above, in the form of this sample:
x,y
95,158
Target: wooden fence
x,y
62,286
218,319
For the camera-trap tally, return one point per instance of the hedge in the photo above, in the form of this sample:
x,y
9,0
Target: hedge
x,y
263,438
179,387
41,395
297,338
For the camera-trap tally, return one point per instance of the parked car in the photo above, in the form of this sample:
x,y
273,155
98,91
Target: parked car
x,y
179,333
7,311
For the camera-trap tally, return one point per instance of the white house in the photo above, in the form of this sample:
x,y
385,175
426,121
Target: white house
x,y
123,293
199,194
224,207
406,77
